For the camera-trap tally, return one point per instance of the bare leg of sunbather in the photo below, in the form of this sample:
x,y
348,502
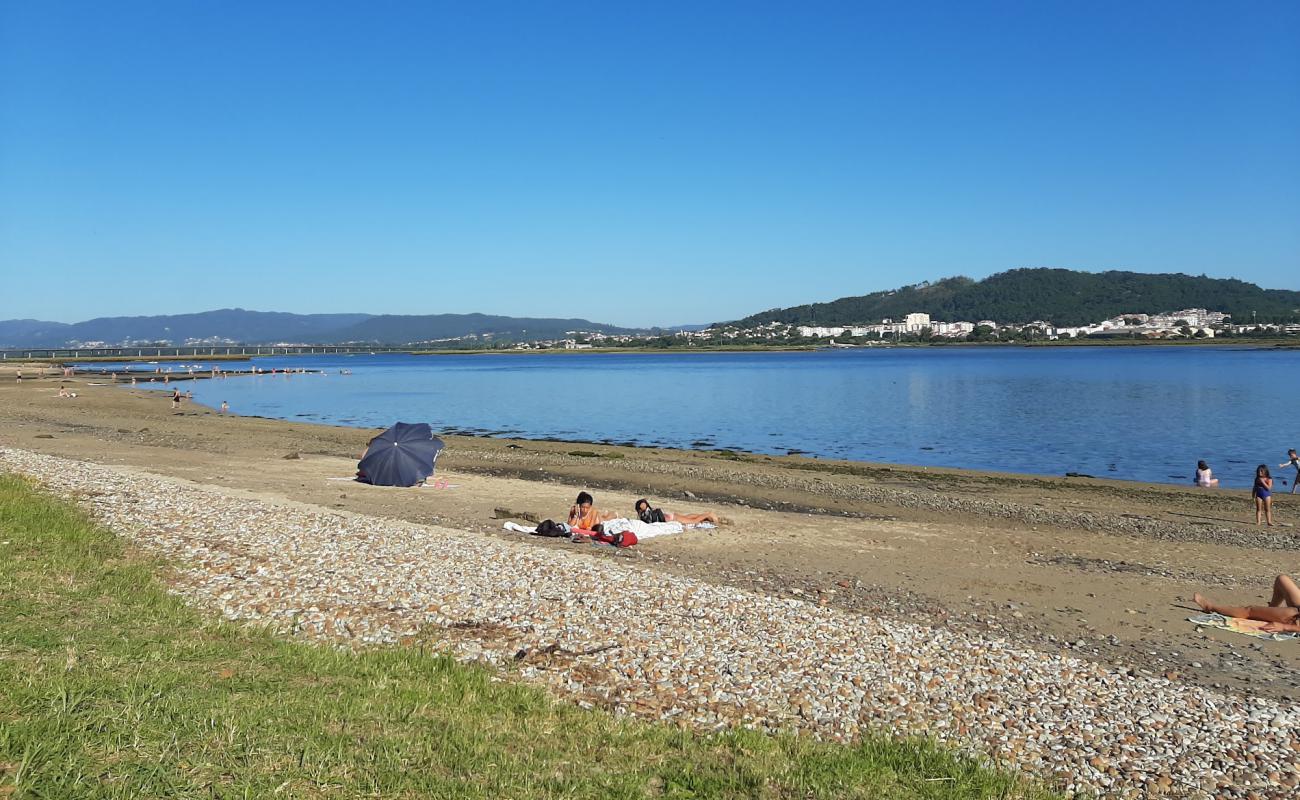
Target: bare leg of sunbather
x,y
1285,592
1262,613
692,519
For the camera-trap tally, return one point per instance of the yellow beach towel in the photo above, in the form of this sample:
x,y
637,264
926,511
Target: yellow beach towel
x,y
1246,627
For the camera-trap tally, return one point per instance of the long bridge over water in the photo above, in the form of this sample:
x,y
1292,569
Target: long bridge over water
x,y
187,351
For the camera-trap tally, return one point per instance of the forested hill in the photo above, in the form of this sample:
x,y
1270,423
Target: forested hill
x,y
1060,296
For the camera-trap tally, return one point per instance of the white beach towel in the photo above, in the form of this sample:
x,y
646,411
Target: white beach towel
x,y
517,528
643,530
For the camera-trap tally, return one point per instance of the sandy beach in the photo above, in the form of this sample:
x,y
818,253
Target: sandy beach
x,y
1101,570
1001,614
1040,622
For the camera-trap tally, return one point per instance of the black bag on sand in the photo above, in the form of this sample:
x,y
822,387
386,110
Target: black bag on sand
x,y
550,528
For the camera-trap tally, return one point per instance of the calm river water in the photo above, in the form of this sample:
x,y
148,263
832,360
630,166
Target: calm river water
x,y
1142,413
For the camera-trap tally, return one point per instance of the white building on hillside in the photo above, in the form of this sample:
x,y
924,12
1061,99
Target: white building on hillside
x,y
915,322
818,332
952,328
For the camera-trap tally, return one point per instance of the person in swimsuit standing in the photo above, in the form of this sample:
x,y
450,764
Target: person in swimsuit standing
x,y
1293,460
1263,494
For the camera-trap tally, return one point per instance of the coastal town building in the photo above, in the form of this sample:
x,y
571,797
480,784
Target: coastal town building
x,y
953,328
1188,322
915,322
818,332
1198,323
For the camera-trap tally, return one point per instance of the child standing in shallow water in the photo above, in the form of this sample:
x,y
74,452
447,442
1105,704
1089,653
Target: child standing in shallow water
x,y
1262,491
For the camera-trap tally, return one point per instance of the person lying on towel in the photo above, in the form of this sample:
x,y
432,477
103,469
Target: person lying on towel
x,y
1282,612
647,514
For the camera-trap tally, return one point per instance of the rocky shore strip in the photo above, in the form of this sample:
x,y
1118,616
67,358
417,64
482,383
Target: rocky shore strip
x,y
605,632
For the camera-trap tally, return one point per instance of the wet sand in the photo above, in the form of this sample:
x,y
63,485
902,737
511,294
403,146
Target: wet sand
x,y
1099,569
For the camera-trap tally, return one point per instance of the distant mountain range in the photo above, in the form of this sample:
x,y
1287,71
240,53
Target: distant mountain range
x,y
267,327
1060,296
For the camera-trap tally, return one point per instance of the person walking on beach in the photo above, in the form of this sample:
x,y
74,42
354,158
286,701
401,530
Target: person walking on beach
x,y
225,407
1293,460
176,398
1282,612
1204,477
1262,491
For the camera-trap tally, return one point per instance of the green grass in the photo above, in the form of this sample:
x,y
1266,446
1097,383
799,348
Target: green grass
x,y
110,687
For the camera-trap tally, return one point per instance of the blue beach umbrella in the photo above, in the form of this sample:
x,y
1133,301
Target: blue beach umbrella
x,y
403,455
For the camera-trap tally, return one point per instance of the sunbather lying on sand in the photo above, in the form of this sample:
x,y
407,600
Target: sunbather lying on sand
x,y
648,514
1282,612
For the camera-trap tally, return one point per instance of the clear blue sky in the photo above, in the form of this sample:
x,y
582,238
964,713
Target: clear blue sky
x,y
636,163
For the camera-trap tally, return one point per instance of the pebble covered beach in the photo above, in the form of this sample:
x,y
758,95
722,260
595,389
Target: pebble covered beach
x,y
605,632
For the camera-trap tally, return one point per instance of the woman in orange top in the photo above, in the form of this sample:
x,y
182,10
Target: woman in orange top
x,y
583,516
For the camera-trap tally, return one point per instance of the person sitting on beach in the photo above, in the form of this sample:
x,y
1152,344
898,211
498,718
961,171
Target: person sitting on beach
x,y
1262,491
647,514
583,514
361,473
1282,612
1204,477
1293,460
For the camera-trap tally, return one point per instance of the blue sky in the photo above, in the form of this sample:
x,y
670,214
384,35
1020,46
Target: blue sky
x,y
646,163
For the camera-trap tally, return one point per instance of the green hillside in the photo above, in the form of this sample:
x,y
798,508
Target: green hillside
x,y
1060,296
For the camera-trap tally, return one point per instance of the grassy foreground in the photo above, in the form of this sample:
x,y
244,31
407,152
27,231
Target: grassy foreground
x,y
110,687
